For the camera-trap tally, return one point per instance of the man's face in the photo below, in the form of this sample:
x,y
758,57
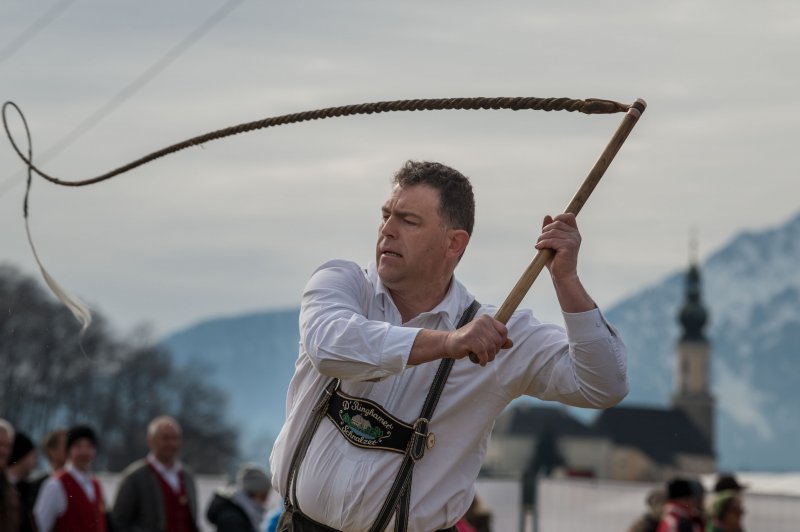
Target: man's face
x,y
27,464
412,240
82,454
57,456
165,443
5,448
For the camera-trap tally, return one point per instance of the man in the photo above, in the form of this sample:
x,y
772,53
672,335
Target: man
x,y
157,493
72,500
21,464
728,482
680,511
54,445
727,512
243,509
9,501
655,506
382,332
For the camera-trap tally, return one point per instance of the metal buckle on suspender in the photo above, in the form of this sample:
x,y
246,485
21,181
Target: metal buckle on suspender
x,y
421,440
329,390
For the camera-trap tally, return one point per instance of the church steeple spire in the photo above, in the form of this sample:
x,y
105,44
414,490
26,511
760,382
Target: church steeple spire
x,y
692,391
693,315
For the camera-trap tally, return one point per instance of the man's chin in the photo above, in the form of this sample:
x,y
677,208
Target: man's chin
x,y
388,277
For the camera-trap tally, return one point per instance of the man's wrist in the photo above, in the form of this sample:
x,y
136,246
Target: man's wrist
x,y
572,296
429,345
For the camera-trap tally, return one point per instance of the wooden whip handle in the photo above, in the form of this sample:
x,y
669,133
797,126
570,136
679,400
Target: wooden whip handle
x,y
541,259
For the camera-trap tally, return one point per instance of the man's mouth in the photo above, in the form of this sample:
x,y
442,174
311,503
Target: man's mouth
x,y
390,253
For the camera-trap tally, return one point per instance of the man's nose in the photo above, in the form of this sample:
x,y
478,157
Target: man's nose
x,y
388,226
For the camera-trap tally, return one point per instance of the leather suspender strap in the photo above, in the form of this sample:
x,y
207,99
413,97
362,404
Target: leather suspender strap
x,y
399,497
317,413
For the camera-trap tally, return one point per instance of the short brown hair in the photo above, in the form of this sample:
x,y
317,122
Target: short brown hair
x,y
54,439
456,200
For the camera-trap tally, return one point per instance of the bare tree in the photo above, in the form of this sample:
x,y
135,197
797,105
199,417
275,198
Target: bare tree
x,y
50,376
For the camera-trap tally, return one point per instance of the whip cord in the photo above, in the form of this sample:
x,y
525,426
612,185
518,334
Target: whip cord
x,y
79,309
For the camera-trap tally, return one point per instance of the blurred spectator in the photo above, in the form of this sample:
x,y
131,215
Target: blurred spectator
x,y
241,509
71,500
54,445
727,512
680,510
157,493
462,525
728,482
9,502
655,505
699,503
273,518
479,516
21,464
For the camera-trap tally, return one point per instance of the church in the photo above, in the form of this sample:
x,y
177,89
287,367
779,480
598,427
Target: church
x,y
625,442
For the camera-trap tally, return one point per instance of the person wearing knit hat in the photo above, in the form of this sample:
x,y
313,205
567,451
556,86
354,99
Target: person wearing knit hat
x,y
22,459
680,509
21,463
728,482
72,499
241,508
727,511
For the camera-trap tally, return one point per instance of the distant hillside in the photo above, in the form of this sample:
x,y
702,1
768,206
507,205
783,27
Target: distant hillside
x,y
751,288
252,358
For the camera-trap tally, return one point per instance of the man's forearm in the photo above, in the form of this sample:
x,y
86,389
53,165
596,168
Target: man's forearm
x,y
572,296
429,345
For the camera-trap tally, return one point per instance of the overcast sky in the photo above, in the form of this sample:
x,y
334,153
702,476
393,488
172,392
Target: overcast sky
x,y
240,224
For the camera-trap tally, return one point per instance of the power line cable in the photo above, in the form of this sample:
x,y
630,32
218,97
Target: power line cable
x,y
128,91
37,26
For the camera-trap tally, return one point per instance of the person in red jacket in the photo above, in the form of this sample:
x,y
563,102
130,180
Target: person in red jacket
x,y
72,499
680,510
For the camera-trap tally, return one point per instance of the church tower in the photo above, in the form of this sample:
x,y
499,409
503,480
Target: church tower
x,y
692,390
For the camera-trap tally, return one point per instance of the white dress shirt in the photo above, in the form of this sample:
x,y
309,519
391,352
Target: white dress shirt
x,y
171,475
51,502
351,329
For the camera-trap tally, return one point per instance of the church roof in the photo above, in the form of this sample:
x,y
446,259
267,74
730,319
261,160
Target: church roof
x,y
533,420
660,433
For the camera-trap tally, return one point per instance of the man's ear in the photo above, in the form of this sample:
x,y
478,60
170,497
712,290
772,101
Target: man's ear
x,y
459,239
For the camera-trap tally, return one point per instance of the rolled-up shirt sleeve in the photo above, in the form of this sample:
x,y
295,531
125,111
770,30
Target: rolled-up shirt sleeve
x,y
337,335
583,365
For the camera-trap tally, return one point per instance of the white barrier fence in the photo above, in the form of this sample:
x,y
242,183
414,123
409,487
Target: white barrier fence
x,y
566,505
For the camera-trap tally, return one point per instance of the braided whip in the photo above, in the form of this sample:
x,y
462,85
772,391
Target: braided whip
x,y
82,313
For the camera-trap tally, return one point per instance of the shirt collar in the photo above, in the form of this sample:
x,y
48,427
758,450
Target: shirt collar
x,y
161,468
449,307
86,477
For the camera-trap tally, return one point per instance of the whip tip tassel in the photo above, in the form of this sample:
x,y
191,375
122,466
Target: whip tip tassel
x,y
77,307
